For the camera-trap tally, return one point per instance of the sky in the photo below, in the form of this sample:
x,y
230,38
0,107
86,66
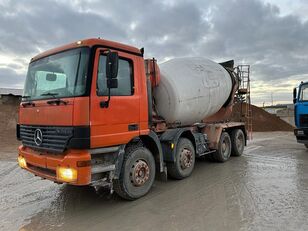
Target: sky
x,y
269,35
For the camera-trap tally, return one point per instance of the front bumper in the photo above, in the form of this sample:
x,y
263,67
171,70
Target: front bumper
x,y
301,135
45,164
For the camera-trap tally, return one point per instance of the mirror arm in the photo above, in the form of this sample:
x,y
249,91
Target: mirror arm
x,y
111,75
105,104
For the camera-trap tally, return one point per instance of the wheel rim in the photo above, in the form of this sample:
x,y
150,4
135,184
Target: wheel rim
x,y
239,142
186,158
140,173
225,147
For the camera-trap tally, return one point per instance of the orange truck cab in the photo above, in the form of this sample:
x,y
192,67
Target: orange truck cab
x,y
86,118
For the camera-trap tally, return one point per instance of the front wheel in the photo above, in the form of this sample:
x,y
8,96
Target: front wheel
x,y
137,173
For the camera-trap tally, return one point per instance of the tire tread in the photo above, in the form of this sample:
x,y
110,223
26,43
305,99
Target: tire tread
x,y
234,150
218,156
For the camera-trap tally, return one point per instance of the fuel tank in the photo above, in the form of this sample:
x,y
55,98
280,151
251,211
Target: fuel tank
x,y
191,89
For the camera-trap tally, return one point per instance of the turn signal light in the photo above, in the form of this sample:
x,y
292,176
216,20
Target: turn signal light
x,y
66,174
22,162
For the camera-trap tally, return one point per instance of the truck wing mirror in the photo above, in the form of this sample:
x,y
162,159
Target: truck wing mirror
x,y
112,61
112,83
294,95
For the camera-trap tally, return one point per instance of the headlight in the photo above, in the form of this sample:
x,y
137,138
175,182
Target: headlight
x,y
22,162
66,174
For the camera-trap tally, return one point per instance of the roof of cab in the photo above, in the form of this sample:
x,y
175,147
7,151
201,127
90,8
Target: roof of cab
x,y
90,42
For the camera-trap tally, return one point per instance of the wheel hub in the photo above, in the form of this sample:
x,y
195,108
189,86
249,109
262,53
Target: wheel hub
x,y
186,159
140,173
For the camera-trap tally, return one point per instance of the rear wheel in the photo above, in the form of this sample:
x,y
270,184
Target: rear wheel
x,y
224,148
238,142
137,173
184,160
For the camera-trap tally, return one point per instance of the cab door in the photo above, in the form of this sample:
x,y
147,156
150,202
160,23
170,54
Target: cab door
x,y
119,122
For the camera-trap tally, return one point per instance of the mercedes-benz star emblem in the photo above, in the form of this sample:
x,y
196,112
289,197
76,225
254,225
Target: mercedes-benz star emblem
x,y
38,137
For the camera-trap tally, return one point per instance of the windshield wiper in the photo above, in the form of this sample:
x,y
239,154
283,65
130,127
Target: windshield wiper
x,y
53,94
56,101
29,103
26,96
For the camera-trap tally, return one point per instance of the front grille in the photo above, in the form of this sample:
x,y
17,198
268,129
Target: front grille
x,y
303,120
54,139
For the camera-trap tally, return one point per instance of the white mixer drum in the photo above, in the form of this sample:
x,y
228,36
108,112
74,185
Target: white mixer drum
x,y
191,89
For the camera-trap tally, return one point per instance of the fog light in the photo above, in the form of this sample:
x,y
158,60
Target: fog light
x,y
66,174
22,162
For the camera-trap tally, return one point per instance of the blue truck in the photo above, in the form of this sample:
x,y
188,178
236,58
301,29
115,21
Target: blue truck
x,y
300,100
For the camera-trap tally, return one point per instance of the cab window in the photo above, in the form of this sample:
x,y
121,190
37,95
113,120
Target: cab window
x,y
304,93
125,78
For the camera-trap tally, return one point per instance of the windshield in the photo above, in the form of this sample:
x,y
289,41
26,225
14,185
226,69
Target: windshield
x,y
303,95
60,75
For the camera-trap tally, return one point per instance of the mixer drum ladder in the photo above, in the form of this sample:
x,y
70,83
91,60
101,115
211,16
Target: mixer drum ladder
x,y
243,96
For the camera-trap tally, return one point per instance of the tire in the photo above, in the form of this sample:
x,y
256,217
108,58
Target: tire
x,y
184,160
306,145
223,152
131,185
237,142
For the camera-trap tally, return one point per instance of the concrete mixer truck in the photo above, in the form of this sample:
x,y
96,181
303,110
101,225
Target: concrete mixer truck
x,y
95,112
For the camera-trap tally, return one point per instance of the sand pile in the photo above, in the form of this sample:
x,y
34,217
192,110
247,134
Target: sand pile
x,y
262,121
8,116
8,120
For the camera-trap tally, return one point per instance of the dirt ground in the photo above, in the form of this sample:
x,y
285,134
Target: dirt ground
x,y
265,189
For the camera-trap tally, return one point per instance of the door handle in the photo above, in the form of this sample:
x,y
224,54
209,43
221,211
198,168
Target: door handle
x,y
133,127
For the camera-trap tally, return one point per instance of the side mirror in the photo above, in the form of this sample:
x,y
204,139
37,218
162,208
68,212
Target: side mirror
x,y
112,83
112,61
51,77
294,95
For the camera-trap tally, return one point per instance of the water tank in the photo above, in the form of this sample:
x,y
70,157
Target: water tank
x,y
191,89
